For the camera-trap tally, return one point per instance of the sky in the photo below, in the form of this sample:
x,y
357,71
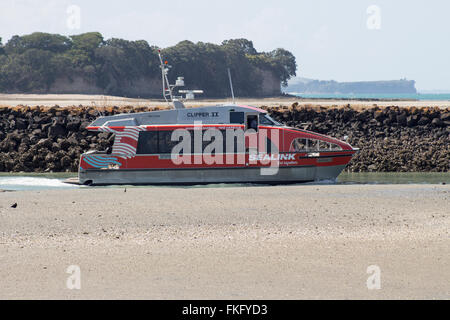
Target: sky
x,y
346,40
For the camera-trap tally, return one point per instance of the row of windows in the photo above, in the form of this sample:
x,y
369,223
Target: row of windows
x,y
264,119
300,144
160,142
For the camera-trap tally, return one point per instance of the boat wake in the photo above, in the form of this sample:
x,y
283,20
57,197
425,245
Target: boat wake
x,y
325,181
32,183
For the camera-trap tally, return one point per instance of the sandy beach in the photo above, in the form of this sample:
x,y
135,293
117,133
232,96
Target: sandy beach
x,y
282,242
65,100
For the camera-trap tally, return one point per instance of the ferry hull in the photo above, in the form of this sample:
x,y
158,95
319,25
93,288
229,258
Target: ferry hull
x,y
283,175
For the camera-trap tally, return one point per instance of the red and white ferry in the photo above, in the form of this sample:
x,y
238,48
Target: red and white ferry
x,y
217,144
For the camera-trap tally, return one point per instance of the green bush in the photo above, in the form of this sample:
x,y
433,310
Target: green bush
x,y
31,63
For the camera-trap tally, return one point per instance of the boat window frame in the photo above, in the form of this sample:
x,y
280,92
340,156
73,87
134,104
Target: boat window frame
x,y
268,118
234,114
314,147
246,124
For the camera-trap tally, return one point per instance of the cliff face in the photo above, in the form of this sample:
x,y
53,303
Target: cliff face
x,y
74,86
147,87
270,85
142,87
363,87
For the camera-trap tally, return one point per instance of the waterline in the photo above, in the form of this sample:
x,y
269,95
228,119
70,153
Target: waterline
x,y
22,182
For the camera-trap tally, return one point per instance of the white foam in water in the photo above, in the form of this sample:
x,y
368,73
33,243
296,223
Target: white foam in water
x,y
24,183
325,181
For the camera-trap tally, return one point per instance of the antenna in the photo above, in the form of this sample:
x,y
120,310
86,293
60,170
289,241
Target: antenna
x,y
190,94
231,85
168,88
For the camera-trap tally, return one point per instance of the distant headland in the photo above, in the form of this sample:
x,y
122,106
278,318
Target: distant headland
x,y
310,86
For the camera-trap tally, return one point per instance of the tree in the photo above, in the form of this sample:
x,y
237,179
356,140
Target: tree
x,y
2,50
32,63
87,42
31,71
286,66
246,79
121,61
243,45
38,40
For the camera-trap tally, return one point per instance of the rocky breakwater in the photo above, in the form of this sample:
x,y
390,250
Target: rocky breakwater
x,y
50,139
43,139
391,139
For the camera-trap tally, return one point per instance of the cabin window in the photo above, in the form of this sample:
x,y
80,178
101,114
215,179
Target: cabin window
x,y
300,145
313,145
306,145
335,147
155,142
160,142
323,145
238,137
165,143
265,121
148,142
237,117
252,122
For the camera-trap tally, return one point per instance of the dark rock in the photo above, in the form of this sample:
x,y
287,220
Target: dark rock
x,y
445,116
402,119
63,144
57,130
84,125
390,139
45,127
437,122
379,116
411,121
45,143
73,125
66,162
42,119
21,124
37,132
423,121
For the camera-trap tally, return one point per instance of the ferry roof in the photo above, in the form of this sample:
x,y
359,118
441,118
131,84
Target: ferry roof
x,y
207,115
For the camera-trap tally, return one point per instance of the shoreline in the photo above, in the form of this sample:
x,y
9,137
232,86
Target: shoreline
x,y
67,100
16,182
309,242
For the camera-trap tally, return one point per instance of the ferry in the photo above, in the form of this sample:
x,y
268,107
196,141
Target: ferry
x,y
228,143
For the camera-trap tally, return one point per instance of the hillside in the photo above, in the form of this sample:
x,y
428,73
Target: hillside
x,y
88,64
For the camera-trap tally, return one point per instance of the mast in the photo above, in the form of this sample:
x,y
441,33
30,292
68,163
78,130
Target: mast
x,y
231,85
168,88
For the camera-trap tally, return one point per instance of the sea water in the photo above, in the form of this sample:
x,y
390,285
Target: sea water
x,y
20,182
400,96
